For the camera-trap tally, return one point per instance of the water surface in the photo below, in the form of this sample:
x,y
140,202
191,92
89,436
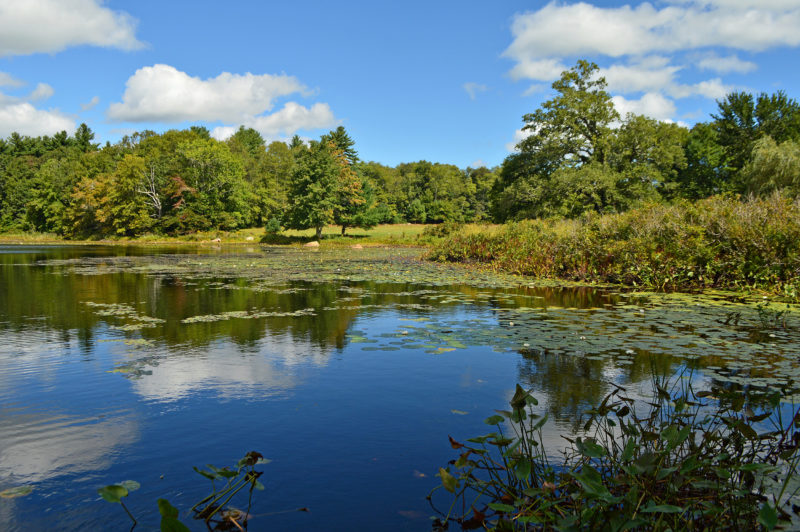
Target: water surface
x,y
347,369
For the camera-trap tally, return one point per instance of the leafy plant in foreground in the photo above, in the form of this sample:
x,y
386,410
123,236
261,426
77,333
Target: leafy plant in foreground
x,y
242,475
715,459
115,492
214,508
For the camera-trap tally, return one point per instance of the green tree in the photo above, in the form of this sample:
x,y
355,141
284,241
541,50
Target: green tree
x,y
572,129
743,119
649,154
312,195
703,175
774,166
210,190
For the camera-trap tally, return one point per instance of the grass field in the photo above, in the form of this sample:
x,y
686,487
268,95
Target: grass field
x,y
390,234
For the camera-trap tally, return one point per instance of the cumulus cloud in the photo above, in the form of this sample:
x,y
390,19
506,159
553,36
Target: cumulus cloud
x,y
653,105
48,26
473,89
647,74
17,114
286,122
162,93
25,119
539,69
646,49
725,65
626,30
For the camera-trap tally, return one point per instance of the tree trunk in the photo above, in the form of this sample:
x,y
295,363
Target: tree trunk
x,y
319,233
344,228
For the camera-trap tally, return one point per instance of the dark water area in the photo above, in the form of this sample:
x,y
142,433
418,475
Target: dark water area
x,y
348,370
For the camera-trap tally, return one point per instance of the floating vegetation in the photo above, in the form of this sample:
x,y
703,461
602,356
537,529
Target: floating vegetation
x,y
19,491
442,309
250,315
135,320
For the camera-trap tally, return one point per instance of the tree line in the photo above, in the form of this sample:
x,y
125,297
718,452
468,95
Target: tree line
x,y
184,181
580,156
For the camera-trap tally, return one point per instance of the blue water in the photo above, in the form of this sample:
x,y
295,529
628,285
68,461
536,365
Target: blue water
x,y
355,430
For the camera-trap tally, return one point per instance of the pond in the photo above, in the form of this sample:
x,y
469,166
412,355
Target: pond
x,y
347,369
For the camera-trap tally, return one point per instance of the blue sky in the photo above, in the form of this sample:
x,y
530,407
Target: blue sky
x,y
443,81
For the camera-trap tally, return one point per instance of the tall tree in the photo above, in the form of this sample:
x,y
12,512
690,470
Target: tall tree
x,y
744,119
312,195
572,129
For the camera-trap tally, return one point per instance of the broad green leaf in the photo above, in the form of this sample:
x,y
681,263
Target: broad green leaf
x,y
523,468
171,524
768,516
500,507
166,509
448,481
113,492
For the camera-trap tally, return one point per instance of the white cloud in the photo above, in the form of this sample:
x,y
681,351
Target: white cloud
x,y
649,47
473,89
162,93
25,119
652,104
712,88
725,65
644,75
42,91
581,29
7,80
539,69
478,164
48,26
285,122
91,104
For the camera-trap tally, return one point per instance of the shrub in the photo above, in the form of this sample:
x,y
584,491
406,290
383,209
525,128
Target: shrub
x,y
716,242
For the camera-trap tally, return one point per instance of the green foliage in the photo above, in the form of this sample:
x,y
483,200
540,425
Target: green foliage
x,y
313,189
695,460
214,508
273,226
773,167
114,493
574,161
743,119
719,242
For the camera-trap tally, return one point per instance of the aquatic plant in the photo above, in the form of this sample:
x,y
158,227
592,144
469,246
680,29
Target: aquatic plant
x,y
215,508
717,242
114,493
696,460
242,475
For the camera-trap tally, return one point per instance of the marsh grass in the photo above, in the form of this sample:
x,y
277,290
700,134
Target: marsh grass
x,y
719,242
720,459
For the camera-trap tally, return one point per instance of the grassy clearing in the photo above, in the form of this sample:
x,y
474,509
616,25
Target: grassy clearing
x,y
718,242
390,234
